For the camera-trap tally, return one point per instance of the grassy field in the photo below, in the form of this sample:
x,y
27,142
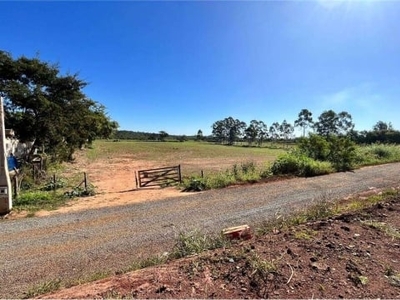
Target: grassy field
x,y
193,156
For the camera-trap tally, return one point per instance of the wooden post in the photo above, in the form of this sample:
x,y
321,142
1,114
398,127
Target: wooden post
x,y
136,180
85,180
54,182
179,174
15,185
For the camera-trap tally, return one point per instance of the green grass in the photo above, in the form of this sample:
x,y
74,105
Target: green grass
x,y
32,201
383,227
44,288
377,154
245,172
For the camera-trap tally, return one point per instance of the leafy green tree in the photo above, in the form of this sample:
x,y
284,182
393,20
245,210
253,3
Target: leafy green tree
x,y
48,108
345,123
331,123
304,120
228,130
286,129
199,136
382,126
251,132
274,131
219,131
163,135
262,130
182,138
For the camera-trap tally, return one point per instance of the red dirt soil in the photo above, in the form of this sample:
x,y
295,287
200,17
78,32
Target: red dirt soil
x,y
343,257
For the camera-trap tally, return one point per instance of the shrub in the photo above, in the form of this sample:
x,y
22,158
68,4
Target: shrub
x,y
298,164
342,153
315,147
194,184
339,151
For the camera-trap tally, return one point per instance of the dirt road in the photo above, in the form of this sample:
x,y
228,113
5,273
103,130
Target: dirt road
x,y
75,245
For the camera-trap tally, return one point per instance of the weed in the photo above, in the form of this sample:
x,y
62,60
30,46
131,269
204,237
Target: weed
x,y
322,209
195,242
382,226
47,287
53,185
363,279
148,262
36,200
263,275
88,278
389,271
194,184
305,234
80,192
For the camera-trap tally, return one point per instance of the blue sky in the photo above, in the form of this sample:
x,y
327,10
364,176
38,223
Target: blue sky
x,y
179,66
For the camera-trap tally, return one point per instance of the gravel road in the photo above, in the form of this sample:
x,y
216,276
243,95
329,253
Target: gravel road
x,y
75,245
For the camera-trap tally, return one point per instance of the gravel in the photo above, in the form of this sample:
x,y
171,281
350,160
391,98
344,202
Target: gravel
x,y
73,246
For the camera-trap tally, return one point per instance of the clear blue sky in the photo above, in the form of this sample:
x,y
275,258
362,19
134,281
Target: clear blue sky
x,y
179,66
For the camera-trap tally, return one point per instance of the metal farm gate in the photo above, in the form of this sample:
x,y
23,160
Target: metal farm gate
x,y
159,176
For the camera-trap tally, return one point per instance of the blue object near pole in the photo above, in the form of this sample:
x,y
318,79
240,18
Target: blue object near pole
x,y
12,163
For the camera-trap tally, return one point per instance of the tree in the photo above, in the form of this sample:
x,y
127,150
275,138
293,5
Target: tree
x,y
251,132
286,130
228,130
219,131
274,131
331,123
199,135
48,108
256,132
162,135
304,120
345,123
262,130
382,126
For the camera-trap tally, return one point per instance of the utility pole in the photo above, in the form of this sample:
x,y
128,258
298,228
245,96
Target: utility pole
x,y
5,182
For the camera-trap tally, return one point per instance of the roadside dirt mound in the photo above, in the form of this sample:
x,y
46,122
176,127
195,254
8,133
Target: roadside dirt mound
x,y
350,256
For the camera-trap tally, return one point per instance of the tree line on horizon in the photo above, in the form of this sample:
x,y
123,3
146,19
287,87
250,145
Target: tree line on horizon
x,y
229,130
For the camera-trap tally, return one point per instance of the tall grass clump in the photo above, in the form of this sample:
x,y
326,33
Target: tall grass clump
x,y
377,154
195,242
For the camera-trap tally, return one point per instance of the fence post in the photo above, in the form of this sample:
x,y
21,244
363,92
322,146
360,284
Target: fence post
x,y
85,180
136,180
